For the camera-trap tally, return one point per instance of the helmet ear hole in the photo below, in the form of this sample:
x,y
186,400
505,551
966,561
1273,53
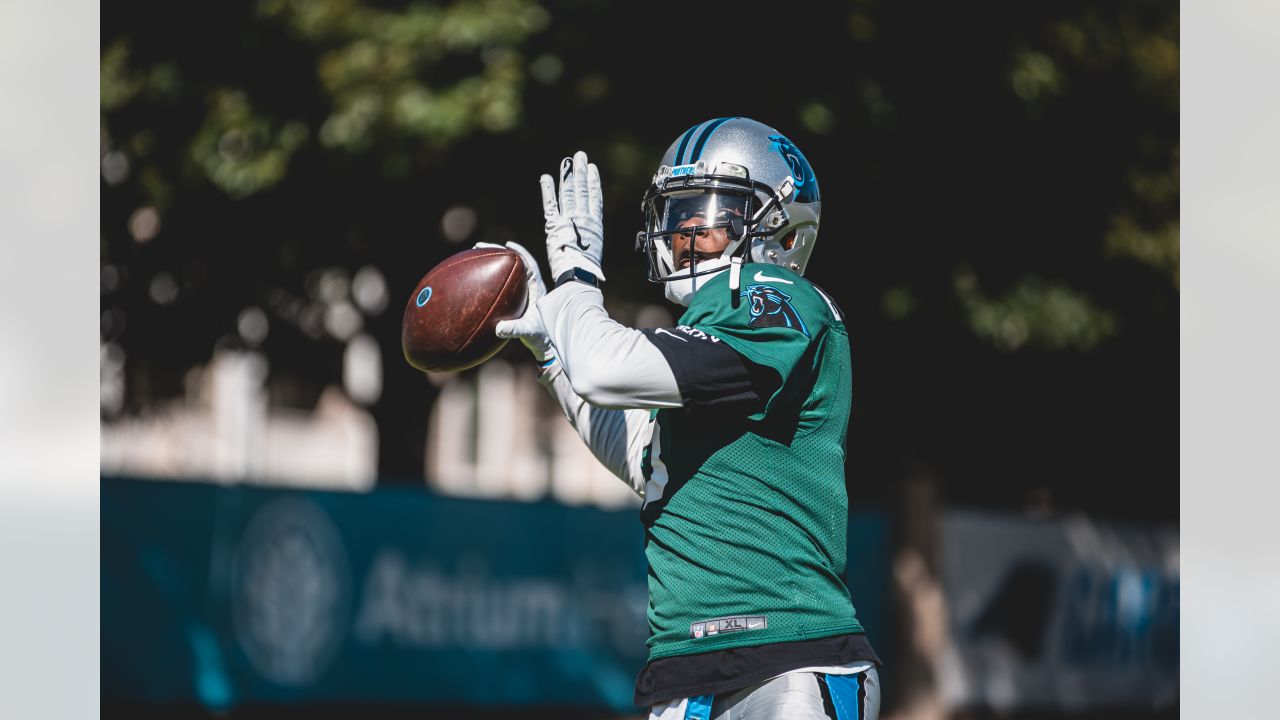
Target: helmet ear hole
x,y
789,241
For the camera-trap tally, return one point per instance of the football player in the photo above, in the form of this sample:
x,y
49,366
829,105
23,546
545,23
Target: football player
x,y
731,425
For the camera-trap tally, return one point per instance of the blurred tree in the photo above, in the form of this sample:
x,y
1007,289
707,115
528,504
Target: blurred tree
x,y
266,135
1000,186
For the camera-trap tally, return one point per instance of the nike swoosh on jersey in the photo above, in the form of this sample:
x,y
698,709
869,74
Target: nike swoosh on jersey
x,y
668,332
761,277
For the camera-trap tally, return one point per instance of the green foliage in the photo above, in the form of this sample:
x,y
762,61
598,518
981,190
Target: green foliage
x,y
1136,44
120,83
241,151
373,64
1035,313
1141,43
1000,185
424,75
1035,77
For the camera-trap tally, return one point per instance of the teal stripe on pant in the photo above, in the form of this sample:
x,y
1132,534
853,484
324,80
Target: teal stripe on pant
x,y
845,696
699,708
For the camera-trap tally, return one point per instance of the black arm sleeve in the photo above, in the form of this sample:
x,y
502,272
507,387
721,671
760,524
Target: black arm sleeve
x,y
710,374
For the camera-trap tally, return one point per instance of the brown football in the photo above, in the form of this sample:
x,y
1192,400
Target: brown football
x,y
449,320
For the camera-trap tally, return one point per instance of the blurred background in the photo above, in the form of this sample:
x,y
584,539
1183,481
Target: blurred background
x,y
296,522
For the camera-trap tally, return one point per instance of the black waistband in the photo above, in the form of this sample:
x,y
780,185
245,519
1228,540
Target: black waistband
x,y
721,671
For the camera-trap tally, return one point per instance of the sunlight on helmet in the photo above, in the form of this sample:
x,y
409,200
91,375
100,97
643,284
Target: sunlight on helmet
x,y
728,189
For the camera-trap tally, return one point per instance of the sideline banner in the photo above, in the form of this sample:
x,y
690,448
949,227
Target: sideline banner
x,y
1071,614
228,595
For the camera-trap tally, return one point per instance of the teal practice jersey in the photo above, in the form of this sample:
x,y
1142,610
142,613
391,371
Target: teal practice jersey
x,y
746,515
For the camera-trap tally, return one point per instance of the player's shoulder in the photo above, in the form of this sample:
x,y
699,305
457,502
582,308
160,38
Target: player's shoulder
x,y
801,290
768,296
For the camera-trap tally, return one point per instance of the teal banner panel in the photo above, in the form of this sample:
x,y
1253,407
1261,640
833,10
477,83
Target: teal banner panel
x,y
231,595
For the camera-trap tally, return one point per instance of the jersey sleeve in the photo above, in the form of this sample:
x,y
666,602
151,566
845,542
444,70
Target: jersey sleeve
x,y
775,320
710,374
608,364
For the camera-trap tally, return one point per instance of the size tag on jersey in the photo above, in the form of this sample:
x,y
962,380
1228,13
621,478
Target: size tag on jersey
x,y
717,626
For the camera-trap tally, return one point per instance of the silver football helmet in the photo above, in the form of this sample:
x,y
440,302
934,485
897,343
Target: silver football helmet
x,y
734,176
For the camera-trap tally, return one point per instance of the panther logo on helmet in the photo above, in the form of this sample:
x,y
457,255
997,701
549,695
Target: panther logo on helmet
x,y
806,183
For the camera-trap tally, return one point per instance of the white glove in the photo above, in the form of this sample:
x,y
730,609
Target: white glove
x,y
575,225
528,327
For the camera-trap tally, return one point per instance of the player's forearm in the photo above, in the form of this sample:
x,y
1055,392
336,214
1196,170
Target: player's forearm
x,y
616,437
608,364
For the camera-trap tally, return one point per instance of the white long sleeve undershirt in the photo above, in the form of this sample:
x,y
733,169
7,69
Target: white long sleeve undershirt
x,y
616,437
609,364
606,378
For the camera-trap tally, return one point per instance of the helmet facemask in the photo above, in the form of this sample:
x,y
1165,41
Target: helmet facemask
x,y
751,161
692,227
691,206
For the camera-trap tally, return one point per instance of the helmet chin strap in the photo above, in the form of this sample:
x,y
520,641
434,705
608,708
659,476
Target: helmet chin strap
x,y
735,279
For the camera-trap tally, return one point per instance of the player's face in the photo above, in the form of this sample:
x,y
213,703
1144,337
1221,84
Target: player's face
x,y
705,244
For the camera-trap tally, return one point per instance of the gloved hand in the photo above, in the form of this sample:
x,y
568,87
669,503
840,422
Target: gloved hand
x,y
575,225
528,327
